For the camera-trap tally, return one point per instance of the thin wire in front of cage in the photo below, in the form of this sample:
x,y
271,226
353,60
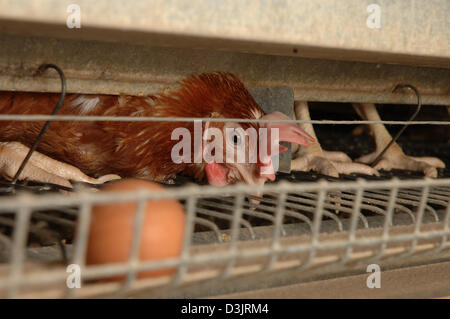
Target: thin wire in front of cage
x,y
38,139
104,118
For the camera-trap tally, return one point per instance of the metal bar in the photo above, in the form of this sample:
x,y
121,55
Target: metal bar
x,y
446,227
106,68
187,239
324,212
110,270
18,247
316,227
249,212
213,213
420,212
234,237
49,200
6,242
279,214
407,199
54,219
441,191
280,27
431,210
106,118
433,198
211,225
138,222
81,240
377,194
289,213
353,223
388,220
446,222
296,215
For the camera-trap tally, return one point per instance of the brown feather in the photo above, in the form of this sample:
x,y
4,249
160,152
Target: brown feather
x,y
130,149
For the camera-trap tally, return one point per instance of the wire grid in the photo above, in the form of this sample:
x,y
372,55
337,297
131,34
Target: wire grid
x,y
285,207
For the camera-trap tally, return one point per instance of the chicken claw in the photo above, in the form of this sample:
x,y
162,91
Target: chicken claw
x,y
323,165
42,168
393,158
314,158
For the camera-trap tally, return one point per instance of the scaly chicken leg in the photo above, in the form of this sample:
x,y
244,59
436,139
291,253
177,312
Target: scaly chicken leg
x,y
42,168
316,159
393,158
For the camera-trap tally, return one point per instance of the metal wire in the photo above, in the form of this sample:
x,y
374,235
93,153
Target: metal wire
x,y
277,231
353,223
188,230
235,225
98,118
18,247
47,124
395,138
135,244
81,239
387,222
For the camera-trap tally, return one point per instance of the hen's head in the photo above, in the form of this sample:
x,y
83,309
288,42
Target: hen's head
x,y
233,151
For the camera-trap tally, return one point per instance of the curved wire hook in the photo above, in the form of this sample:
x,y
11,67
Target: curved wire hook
x,y
419,106
41,70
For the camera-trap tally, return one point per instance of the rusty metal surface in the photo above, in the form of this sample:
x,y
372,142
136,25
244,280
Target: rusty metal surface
x,y
411,32
103,67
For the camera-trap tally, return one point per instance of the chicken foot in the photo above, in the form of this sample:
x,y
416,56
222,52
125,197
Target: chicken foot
x,y
394,157
314,158
42,168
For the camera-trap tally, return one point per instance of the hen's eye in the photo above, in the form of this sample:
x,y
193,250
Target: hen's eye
x,y
236,139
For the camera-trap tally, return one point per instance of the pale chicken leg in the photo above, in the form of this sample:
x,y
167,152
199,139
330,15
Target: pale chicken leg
x,y
314,158
393,158
42,168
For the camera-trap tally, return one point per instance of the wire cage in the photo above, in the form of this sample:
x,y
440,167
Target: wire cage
x,y
233,240
302,235
301,229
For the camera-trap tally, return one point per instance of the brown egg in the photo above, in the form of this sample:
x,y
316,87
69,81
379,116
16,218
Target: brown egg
x,y
111,229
